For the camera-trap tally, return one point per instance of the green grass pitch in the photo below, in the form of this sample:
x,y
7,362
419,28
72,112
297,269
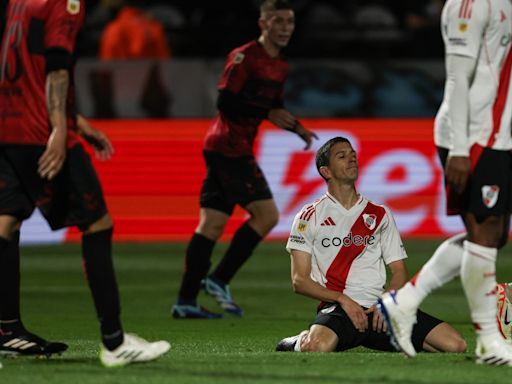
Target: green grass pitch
x,y
56,304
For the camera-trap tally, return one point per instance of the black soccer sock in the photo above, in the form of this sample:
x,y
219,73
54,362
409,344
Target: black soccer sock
x,y
242,245
99,271
10,279
197,264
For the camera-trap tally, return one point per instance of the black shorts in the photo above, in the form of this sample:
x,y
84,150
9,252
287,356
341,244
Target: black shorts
x,y
489,188
73,197
349,337
232,180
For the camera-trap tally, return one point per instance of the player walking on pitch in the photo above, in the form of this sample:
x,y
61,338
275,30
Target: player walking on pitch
x,y
251,89
472,134
43,165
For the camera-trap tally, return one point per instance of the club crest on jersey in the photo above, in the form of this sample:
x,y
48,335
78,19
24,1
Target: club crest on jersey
x,y
239,57
302,226
463,27
73,7
490,195
369,220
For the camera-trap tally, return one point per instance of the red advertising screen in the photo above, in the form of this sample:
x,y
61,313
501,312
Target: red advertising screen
x,y
152,183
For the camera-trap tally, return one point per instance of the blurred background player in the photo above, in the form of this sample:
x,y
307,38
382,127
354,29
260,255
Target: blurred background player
x,y
472,134
251,89
43,165
340,246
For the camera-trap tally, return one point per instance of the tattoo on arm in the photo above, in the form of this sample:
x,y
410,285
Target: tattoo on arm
x,y
57,83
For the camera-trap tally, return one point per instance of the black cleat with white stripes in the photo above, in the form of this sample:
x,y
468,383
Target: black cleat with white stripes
x,y
27,344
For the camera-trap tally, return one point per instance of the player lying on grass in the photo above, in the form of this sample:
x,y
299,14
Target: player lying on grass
x,y
339,247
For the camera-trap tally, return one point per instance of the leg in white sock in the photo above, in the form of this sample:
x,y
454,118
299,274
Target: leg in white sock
x,y
441,268
478,276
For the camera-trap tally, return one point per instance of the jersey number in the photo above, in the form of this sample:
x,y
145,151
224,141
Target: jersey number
x,y
12,41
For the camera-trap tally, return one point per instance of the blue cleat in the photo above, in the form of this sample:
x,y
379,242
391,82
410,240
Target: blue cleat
x,y
193,312
223,296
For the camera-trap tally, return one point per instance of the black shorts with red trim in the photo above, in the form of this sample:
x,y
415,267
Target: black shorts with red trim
x,y
232,180
335,318
489,187
73,198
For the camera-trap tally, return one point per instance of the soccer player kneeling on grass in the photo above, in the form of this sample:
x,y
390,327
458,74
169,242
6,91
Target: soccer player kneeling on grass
x,y
340,246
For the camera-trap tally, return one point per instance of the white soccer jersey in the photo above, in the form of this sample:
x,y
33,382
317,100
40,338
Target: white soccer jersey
x,y
349,248
481,29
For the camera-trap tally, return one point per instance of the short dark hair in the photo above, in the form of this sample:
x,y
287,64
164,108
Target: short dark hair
x,y
323,154
274,5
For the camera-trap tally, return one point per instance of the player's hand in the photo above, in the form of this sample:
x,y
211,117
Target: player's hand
x,y
51,161
378,323
101,144
457,172
282,118
305,134
355,313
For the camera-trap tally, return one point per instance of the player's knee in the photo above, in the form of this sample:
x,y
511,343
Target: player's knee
x,y
315,344
103,224
272,220
269,220
8,225
211,230
455,344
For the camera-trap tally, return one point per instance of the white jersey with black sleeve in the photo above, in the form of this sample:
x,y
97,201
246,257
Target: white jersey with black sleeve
x,y
349,248
481,30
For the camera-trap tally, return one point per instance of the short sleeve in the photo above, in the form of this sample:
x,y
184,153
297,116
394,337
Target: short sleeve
x,y
463,25
302,232
64,21
391,243
236,72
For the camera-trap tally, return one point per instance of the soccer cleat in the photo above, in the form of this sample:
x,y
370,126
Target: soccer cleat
x,y
193,312
222,295
399,322
27,344
504,298
289,344
134,349
494,352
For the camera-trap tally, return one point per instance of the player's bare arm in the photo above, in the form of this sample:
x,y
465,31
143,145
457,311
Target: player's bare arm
x,y
285,120
99,141
304,285
57,84
399,277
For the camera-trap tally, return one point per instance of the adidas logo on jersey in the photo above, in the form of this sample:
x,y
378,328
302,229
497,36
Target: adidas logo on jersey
x,y
329,221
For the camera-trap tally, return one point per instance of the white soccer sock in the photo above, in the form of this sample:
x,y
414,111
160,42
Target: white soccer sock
x,y
442,267
478,276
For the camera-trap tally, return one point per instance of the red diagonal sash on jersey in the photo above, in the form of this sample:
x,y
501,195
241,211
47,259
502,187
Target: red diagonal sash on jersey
x,y
338,271
501,98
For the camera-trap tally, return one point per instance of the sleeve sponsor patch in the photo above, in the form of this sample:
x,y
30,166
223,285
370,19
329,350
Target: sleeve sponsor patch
x,y
297,239
457,41
239,57
73,7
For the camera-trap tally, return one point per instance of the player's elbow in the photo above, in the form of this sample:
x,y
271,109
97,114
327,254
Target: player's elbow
x,y
298,284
